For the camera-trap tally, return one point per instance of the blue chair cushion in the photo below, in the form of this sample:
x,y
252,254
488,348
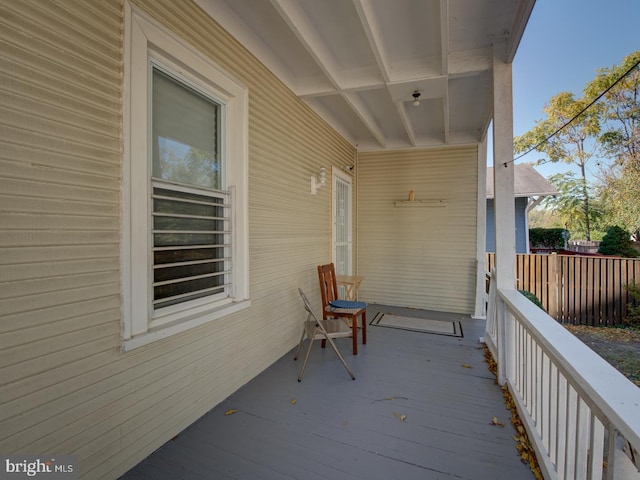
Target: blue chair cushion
x,y
347,304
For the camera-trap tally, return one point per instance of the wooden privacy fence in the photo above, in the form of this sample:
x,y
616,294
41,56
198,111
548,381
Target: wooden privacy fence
x,y
576,289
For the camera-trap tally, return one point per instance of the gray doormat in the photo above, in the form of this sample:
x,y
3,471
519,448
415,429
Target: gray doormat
x,y
414,324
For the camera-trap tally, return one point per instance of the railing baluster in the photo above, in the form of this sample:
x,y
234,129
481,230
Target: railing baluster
x,y
527,371
562,427
596,449
553,413
611,453
538,389
572,432
582,440
546,380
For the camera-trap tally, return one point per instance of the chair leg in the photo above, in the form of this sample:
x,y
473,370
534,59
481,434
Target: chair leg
x,y
364,328
354,332
306,359
299,345
335,349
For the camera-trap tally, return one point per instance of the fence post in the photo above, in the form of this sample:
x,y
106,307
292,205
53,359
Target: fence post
x,y
553,287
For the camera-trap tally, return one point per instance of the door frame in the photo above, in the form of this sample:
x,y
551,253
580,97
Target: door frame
x,y
339,175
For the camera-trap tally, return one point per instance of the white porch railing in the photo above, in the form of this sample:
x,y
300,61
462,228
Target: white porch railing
x,y
582,416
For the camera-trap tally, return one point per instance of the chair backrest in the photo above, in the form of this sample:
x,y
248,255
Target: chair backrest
x,y
312,315
328,284
307,304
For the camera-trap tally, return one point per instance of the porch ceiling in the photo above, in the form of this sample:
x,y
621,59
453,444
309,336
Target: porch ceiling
x,y
358,62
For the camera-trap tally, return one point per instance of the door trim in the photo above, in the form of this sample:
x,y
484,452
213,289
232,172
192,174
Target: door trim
x,y
339,175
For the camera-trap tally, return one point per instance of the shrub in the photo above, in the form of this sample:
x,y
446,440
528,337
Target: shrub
x,y
546,238
532,297
633,308
617,242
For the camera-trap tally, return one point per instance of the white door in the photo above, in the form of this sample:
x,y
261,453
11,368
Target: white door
x,y
342,219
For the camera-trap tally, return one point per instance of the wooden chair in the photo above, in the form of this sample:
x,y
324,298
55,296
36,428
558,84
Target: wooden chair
x,y
333,307
325,330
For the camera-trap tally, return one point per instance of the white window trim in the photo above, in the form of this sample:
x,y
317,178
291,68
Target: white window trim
x,y
145,39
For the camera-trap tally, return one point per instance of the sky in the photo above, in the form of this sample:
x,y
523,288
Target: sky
x,y
565,42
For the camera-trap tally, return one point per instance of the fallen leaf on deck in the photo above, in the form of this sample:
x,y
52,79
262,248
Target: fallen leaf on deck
x,y
230,412
494,421
293,401
464,365
401,417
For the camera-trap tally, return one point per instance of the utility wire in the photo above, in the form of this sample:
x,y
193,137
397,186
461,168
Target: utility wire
x,y
575,116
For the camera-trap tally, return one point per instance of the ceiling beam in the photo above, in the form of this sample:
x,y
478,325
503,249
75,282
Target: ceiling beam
x,y
371,29
223,14
305,32
406,121
470,62
444,36
445,114
444,40
517,29
366,117
359,88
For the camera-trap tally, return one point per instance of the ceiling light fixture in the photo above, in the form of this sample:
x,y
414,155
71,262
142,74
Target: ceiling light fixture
x,y
416,98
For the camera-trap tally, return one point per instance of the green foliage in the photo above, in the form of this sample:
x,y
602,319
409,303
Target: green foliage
x,y
620,194
546,238
617,242
620,139
569,143
542,217
633,311
532,297
619,109
569,206
610,129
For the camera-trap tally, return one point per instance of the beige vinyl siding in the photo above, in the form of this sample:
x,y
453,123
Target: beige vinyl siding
x,y
65,385
418,256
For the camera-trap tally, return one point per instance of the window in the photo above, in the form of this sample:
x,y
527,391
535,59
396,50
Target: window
x,y
185,242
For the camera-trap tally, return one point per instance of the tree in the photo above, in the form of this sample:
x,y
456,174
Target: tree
x,y
569,205
574,144
617,242
619,192
619,109
620,139
543,217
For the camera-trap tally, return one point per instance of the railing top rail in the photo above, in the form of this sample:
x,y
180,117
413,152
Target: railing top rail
x,y
611,392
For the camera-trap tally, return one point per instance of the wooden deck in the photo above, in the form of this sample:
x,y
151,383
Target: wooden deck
x,y
330,427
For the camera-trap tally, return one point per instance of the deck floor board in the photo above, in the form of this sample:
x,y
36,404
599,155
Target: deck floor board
x,y
420,408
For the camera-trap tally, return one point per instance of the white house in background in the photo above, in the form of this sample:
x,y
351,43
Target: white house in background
x,y
530,188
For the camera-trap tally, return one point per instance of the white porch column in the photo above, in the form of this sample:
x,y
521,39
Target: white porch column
x,y
504,205
481,231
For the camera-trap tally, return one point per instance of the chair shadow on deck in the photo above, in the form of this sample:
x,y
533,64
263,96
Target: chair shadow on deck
x,y
421,408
